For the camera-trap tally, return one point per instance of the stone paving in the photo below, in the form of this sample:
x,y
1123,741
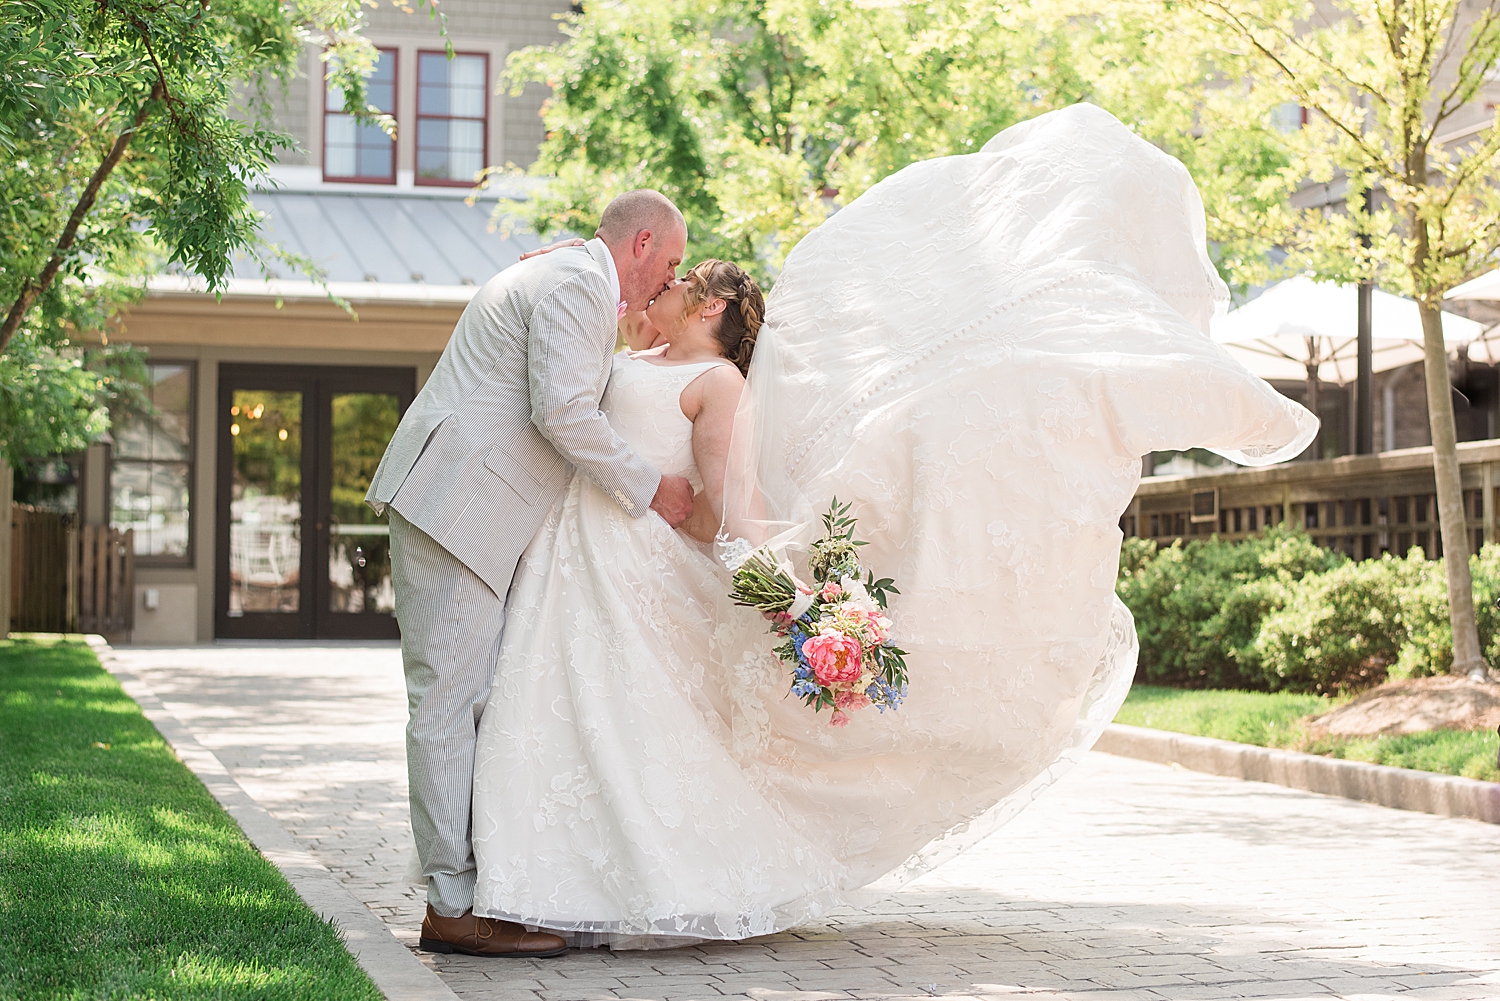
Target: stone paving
x,y
1127,880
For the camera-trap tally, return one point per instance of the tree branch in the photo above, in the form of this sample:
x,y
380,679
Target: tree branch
x,y
33,288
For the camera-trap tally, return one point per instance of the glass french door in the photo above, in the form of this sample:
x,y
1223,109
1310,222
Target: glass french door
x,y
300,555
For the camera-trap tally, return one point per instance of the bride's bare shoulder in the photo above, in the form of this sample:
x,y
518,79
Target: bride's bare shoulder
x,y
716,388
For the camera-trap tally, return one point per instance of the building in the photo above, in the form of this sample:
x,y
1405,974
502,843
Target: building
x,y
274,403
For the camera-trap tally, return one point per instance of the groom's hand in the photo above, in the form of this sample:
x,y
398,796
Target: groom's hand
x,y
673,500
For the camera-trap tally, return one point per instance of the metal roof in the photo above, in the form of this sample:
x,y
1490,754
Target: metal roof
x,y
388,238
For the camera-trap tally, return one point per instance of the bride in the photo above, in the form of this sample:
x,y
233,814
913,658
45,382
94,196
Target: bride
x,y
975,353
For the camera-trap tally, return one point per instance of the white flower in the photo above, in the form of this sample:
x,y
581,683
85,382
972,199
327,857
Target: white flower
x,y
735,553
856,596
800,605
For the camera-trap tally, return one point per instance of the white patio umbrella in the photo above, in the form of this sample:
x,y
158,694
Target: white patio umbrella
x,y
1485,288
1306,330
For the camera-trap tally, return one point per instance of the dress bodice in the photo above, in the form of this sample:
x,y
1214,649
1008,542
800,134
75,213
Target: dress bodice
x,y
643,405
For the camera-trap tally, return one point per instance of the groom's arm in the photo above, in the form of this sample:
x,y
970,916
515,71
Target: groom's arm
x,y
572,332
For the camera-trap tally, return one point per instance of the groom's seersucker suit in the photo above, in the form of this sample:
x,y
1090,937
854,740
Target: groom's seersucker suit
x,y
511,408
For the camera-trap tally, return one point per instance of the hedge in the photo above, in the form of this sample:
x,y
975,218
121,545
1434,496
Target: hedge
x,y
1278,613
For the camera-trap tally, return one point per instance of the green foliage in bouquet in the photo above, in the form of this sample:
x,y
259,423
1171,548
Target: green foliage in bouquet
x,y
836,635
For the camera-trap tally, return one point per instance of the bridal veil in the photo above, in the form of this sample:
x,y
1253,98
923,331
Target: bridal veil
x,y
976,353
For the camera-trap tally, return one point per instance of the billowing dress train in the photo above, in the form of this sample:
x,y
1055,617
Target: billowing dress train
x,y
975,353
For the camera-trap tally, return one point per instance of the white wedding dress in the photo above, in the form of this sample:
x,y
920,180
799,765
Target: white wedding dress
x,y
975,353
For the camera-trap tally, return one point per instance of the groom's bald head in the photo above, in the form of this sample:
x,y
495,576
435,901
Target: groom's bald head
x,y
641,209
647,237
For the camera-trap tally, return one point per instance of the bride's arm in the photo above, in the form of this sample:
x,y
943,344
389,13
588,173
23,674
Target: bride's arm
x,y
709,402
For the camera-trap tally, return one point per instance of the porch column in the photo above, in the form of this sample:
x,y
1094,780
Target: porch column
x,y
1487,478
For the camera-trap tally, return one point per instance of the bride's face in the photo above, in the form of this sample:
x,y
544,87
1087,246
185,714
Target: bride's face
x,y
666,311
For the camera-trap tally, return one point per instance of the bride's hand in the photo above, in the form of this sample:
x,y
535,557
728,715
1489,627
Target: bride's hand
x,y
574,242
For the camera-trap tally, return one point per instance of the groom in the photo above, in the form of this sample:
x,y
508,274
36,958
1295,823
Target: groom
x,y
511,409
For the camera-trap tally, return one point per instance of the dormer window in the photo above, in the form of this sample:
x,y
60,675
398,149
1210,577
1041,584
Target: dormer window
x,y
452,107
352,150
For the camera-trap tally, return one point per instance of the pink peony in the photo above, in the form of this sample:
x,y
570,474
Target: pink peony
x,y
845,699
839,719
834,657
831,591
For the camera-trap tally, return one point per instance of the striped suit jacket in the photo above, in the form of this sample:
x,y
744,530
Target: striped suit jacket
x,y
511,409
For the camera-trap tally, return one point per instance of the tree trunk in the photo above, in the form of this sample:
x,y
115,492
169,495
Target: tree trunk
x,y
1468,658
32,288
1313,361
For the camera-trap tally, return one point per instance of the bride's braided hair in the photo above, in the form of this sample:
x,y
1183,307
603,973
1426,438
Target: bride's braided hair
x,y
744,306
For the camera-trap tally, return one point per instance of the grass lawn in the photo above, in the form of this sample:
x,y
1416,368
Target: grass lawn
x,y
120,876
1278,719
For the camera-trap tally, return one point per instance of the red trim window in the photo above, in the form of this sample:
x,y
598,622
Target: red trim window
x,y
452,117
353,151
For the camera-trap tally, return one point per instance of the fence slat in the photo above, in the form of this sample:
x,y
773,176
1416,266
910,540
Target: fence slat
x,y
67,578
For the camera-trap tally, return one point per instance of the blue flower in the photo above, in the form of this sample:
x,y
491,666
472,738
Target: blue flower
x,y
802,689
802,672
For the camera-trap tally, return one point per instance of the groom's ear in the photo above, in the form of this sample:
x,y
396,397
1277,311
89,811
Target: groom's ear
x,y
642,245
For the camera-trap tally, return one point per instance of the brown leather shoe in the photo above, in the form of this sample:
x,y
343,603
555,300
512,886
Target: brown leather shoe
x,y
476,936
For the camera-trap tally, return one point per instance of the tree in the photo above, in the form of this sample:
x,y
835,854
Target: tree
x,y
758,116
131,132
1385,85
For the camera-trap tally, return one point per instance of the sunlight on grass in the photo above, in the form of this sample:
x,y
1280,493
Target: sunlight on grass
x,y
120,877
1279,719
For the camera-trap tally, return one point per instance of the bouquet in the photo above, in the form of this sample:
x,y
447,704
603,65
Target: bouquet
x,y
837,638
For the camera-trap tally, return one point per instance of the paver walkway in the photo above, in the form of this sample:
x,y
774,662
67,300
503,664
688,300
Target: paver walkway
x,y
1128,880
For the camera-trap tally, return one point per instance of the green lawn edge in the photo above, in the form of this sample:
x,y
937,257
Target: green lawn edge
x,y
1279,719
120,875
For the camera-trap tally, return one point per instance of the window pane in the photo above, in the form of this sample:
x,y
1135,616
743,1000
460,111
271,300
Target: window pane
x,y
132,437
359,551
375,159
172,387
353,149
265,506
468,72
169,436
151,498
467,87
432,81
338,161
339,131
466,136
450,127
380,87
130,501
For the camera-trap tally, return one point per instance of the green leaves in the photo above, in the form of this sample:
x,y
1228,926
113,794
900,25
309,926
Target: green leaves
x,y
131,138
760,117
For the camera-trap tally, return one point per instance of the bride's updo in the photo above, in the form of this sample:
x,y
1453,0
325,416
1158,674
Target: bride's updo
x,y
744,306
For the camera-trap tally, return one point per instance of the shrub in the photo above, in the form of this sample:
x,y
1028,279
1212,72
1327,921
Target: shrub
x,y
1198,607
1279,613
1342,629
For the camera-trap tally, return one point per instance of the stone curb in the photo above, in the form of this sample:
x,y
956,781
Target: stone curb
x,y
397,973
1401,788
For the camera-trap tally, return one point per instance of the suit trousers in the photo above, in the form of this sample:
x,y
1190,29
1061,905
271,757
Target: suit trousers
x,y
450,642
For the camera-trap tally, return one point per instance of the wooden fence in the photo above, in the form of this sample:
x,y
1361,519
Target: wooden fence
x,y
1360,505
106,580
40,572
66,578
